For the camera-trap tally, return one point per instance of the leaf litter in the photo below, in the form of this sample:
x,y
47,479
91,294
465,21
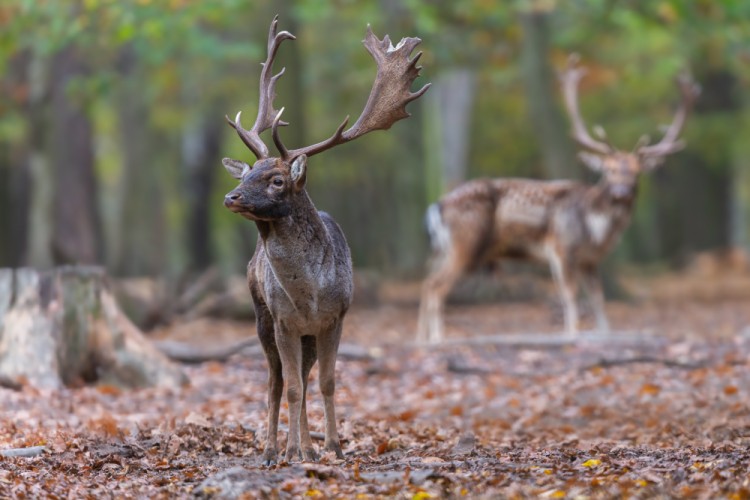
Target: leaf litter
x,y
666,417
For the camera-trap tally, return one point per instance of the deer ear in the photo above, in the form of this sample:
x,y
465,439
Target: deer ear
x,y
236,168
593,161
299,171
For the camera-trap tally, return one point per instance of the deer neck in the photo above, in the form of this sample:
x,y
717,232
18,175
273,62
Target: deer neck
x,y
297,246
606,217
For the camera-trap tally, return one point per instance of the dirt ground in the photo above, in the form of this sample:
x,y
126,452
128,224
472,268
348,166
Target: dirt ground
x,y
507,407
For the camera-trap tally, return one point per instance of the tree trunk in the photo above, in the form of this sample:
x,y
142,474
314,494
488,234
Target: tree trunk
x,y
551,129
694,188
201,151
39,248
14,171
449,103
76,234
142,249
64,327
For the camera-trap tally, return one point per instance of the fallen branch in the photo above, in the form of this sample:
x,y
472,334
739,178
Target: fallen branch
x,y
10,383
552,340
607,363
31,451
192,354
187,353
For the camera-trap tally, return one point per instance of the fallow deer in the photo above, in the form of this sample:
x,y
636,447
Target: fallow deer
x,y
569,225
300,277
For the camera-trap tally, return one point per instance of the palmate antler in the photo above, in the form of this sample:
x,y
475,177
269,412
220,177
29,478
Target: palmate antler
x,y
386,105
266,113
569,79
670,143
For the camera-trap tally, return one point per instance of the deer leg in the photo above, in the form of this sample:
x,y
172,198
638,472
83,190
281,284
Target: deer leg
x,y
562,273
593,285
290,351
328,345
275,381
437,286
309,357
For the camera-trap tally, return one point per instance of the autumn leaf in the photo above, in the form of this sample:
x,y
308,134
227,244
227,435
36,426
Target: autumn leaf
x,y
650,389
422,495
730,390
199,420
592,462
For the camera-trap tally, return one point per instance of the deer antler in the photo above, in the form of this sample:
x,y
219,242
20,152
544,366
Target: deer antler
x,y
569,79
389,95
266,113
669,143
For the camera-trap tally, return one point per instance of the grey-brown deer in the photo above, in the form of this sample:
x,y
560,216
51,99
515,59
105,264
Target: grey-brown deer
x,y
300,277
568,225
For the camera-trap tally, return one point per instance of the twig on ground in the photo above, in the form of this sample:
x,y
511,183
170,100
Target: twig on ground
x,y
606,363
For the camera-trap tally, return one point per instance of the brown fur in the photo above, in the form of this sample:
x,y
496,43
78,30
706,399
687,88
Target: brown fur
x,y
300,276
568,225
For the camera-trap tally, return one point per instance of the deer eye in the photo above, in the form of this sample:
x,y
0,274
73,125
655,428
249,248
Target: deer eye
x,y
278,182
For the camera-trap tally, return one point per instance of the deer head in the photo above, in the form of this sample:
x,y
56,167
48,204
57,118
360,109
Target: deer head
x,y
620,169
268,186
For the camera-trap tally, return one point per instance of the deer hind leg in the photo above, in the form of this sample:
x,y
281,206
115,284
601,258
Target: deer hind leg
x,y
290,351
592,283
328,346
309,357
564,275
275,381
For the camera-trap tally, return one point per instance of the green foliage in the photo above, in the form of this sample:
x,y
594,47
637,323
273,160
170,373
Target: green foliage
x,y
195,59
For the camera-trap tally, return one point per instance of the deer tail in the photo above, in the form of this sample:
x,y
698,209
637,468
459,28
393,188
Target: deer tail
x,y
438,231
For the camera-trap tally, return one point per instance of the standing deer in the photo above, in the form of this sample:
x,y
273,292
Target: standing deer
x,y
300,277
569,225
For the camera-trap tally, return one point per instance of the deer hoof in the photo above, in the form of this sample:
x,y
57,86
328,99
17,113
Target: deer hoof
x,y
336,448
269,458
292,455
310,455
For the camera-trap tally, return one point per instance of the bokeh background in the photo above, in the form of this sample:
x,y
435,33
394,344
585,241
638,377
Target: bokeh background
x,y
112,121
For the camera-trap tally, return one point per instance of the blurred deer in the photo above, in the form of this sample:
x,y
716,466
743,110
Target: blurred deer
x,y
568,225
300,276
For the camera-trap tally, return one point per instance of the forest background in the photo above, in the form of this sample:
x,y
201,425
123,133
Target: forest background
x,y
112,121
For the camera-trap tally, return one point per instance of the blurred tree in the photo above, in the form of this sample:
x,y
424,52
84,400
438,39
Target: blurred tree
x,y
142,250
156,134
548,122
76,235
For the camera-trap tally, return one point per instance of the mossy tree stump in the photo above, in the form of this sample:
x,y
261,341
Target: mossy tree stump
x,y
64,327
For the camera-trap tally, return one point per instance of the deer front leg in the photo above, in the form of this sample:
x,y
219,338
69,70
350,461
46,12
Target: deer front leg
x,y
275,380
328,346
290,351
563,274
275,389
430,325
309,357
592,283
437,286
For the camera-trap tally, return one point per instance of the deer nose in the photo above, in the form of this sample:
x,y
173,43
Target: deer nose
x,y
230,198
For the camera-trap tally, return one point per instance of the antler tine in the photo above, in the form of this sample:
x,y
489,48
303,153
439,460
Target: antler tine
x,y
390,92
266,113
670,143
569,79
277,139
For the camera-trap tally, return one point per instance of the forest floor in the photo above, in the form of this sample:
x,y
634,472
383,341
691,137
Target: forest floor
x,y
659,408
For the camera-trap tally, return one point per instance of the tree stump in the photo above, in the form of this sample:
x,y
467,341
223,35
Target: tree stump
x,y
64,327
